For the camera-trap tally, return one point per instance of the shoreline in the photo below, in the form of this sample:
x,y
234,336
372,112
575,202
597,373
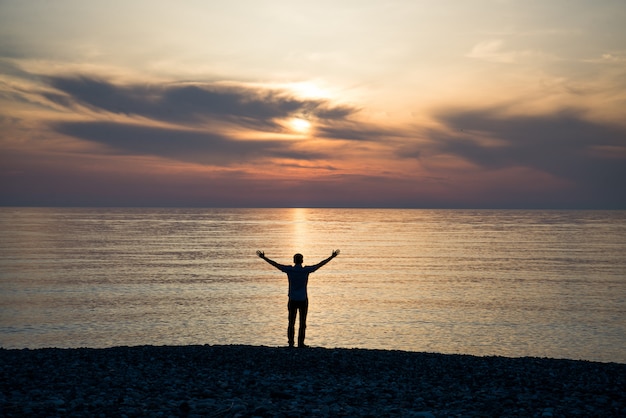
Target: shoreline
x,y
260,381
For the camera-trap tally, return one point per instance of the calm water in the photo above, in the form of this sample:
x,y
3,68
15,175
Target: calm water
x,y
512,283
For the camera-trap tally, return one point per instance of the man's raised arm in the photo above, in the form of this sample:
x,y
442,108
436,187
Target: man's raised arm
x,y
323,262
272,262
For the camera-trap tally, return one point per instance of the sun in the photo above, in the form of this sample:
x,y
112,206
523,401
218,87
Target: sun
x,y
300,125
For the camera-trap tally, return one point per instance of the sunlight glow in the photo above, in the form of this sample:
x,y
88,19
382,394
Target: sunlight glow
x,y
300,125
308,90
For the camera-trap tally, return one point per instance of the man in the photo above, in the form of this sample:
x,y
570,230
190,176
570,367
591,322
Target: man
x,y
298,276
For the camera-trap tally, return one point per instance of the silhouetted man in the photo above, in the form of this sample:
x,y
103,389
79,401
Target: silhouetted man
x,y
298,276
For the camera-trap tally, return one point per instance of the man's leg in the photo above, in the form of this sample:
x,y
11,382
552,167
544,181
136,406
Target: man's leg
x,y
293,310
304,309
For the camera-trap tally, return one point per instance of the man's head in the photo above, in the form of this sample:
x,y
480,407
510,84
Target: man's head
x,y
298,258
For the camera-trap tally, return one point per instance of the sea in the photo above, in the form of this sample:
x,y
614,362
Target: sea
x,y
515,283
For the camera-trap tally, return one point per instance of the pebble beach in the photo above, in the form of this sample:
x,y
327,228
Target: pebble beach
x,y
258,381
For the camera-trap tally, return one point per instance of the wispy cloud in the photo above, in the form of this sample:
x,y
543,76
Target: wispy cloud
x,y
613,57
196,147
493,50
192,102
358,131
205,122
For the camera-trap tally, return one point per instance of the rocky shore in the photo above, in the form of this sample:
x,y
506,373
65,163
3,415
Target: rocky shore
x,y
246,381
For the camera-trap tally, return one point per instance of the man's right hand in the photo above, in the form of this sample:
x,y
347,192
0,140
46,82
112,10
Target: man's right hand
x,y
260,253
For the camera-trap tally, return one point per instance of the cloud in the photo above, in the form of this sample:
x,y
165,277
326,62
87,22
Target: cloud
x,y
206,121
615,57
190,146
492,50
589,155
254,107
355,131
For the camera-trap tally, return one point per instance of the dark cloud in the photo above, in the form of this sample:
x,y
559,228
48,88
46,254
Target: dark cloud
x,y
9,68
354,131
349,133
205,107
563,144
409,151
334,112
190,146
252,107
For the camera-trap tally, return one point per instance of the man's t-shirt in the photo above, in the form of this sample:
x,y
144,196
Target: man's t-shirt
x,y
298,278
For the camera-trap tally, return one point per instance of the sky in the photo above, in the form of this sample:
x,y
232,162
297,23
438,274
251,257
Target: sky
x,y
368,103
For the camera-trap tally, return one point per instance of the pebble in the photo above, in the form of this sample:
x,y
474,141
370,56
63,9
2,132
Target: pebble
x,y
248,381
